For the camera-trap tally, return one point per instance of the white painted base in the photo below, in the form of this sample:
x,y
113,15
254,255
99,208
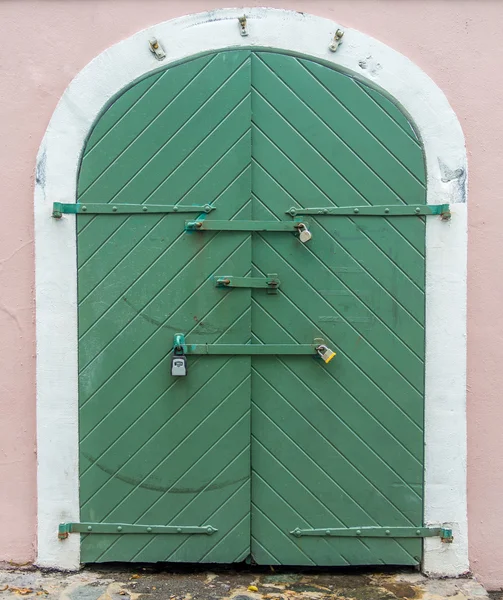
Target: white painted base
x,y
55,243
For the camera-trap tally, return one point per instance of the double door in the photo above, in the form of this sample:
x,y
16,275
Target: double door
x,y
192,191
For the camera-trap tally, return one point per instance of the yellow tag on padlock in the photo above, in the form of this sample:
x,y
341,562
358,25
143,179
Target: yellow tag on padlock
x,y
325,353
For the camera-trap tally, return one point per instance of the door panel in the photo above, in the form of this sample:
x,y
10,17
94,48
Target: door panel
x,y
252,446
155,449
336,445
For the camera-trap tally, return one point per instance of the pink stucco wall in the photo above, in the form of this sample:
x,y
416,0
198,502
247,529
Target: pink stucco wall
x,y
45,43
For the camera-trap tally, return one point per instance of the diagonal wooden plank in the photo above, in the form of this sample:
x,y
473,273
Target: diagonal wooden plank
x,y
298,186
132,113
341,404
154,447
309,106
320,174
353,287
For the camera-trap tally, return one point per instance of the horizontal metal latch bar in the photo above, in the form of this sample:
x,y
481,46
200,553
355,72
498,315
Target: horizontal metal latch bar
x,y
401,210
253,349
122,528
209,225
270,282
381,532
58,208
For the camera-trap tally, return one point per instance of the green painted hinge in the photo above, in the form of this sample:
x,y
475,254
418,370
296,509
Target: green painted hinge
x,y
58,209
381,532
253,349
123,528
401,210
271,282
202,225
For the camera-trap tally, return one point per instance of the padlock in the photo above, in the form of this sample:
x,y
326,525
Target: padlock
x,y
304,234
325,353
178,365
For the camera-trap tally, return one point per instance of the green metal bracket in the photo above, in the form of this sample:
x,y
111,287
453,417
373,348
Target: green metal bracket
x,y
380,532
366,211
208,225
271,282
179,345
123,528
58,209
253,349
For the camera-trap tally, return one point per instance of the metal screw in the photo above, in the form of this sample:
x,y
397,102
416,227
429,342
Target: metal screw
x,y
144,209
149,529
89,528
114,208
356,210
175,208
207,208
358,532
84,208
418,210
386,210
119,528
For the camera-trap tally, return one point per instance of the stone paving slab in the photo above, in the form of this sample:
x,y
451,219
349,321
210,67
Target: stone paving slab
x,y
152,583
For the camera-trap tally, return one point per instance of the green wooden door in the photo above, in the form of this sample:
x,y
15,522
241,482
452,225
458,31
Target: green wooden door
x,y
254,447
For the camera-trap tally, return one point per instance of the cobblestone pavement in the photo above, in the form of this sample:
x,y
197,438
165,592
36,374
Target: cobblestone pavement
x,y
152,583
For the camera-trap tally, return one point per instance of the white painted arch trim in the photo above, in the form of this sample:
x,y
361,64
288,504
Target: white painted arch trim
x,y
56,291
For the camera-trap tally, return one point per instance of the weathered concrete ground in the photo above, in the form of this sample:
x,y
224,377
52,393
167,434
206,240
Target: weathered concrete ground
x,y
153,583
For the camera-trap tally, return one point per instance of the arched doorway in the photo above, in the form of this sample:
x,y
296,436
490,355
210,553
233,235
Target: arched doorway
x,y
327,458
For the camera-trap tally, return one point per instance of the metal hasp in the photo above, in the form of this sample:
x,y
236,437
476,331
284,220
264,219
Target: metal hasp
x,y
59,208
122,528
271,282
208,225
253,349
379,532
369,211
179,345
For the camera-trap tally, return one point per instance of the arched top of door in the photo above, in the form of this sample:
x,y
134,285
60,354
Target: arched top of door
x,y
358,55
